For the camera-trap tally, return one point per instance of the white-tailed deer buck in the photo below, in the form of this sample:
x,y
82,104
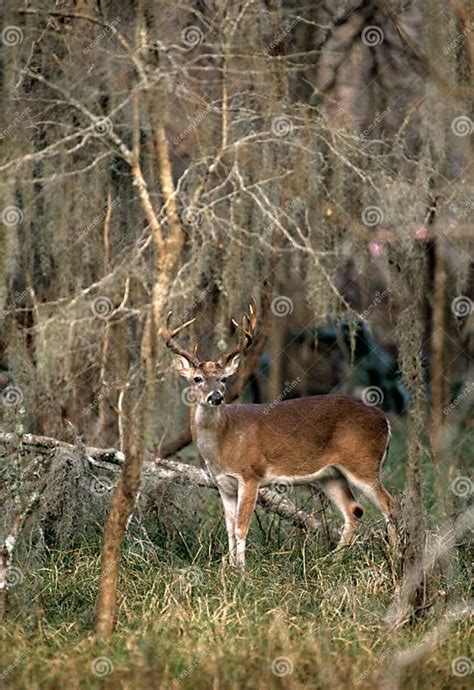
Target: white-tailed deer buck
x,y
333,440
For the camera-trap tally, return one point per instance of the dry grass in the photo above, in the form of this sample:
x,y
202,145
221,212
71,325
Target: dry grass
x,y
201,625
187,620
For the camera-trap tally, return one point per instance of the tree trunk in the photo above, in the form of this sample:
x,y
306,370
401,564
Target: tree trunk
x,y
437,378
122,507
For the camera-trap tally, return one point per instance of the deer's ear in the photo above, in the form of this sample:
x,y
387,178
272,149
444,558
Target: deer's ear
x,y
232,366
181,365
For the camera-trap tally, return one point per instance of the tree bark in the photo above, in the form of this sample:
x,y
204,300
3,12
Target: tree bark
x,y
437,378
122,507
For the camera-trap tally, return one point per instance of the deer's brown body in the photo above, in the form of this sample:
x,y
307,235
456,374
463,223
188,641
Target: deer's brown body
x,y
334,440
294,438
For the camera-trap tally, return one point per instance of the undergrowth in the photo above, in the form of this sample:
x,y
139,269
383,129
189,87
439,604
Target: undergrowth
x,y
297,618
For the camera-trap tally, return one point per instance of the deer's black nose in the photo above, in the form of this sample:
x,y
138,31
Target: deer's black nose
x,y
215,398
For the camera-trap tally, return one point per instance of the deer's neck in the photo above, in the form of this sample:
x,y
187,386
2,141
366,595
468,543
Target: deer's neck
x,y
208,424
208,419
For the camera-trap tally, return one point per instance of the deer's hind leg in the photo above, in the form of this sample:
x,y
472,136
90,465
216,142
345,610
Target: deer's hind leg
x,y
379,496
382,500
339,492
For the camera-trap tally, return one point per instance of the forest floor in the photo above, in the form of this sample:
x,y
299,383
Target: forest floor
x,y
297,618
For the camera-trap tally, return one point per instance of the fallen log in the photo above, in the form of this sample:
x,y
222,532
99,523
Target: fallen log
x,y
270,500
44,445
111,460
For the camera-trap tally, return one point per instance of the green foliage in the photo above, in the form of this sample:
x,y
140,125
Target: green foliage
x,y
198,622
186,619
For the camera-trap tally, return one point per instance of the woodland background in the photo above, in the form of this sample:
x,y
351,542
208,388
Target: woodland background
x,y
188,156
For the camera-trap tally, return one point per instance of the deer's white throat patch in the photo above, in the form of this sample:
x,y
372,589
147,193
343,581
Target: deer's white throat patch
x,y
206,420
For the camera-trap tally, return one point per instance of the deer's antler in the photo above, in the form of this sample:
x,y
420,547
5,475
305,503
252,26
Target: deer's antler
x,y
168,334
247,331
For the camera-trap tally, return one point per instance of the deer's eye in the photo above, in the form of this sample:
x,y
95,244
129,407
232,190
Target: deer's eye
x,y
223,379
198,379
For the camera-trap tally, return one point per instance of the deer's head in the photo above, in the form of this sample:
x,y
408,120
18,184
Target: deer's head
x,y
209,379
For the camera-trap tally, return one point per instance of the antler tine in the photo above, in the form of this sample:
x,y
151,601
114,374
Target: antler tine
x,y
168,335
175,331
247,331
252,319
249,322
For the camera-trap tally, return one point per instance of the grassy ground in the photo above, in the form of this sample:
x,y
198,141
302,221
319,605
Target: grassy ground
x,y
297,618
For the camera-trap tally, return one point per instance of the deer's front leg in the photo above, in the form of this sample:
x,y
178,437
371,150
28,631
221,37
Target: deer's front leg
x,y
246,503
229,501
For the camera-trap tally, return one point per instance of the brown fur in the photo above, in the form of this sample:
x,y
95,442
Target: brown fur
x,y
337,438
299,437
